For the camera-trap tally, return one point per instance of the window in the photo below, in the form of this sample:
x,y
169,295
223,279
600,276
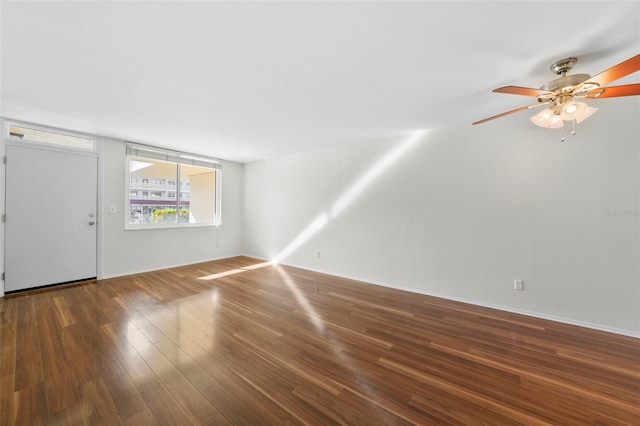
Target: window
x,y
62,140
197,203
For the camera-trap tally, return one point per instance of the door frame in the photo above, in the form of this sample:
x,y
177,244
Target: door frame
x,y
5,140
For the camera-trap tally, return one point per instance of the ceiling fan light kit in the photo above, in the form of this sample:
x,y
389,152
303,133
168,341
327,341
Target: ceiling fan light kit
x,y
561,95
578,111
552,118
546,118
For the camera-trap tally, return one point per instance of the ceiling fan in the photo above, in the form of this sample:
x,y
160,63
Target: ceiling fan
x,y
561,94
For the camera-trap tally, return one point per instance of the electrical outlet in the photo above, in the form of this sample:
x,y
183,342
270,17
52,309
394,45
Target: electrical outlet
x,y
518,285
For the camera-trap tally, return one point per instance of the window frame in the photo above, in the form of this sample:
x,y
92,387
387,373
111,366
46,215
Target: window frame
x,y
54,145
179,158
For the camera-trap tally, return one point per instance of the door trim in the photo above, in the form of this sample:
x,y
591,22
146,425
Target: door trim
x,y
97,152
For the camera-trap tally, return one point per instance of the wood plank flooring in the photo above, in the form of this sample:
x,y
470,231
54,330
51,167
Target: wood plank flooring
x,y
243,343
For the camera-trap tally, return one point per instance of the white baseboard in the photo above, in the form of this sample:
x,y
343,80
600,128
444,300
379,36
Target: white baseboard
x,y
600,327
177,265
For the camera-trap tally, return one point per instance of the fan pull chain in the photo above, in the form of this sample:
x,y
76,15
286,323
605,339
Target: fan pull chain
x,y
573,132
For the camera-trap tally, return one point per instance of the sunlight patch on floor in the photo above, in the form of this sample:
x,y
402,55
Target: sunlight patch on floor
x,y
235,271
315,319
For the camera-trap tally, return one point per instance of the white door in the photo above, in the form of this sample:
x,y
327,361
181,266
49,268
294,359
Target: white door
x,y
51,206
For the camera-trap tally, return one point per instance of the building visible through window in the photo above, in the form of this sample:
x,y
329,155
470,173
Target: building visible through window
x,y
161,173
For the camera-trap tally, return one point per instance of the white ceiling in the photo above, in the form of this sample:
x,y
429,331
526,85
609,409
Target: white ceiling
x,y
245,81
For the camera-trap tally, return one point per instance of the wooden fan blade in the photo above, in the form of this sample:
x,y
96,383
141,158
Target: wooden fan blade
x,y
510,112
614,91
524,91
625,68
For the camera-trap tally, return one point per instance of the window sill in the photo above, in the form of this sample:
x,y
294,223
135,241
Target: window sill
x,y
149,227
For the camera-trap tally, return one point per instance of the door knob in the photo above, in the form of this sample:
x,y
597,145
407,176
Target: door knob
x,y
92,223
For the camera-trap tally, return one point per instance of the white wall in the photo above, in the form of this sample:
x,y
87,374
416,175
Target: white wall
x,y
465,211
123,252
458,213
130,251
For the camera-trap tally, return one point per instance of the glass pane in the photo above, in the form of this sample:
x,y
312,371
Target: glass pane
x,y
50,138
151,197
197,194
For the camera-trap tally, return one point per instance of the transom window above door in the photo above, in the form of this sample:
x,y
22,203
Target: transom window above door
x,y
60,139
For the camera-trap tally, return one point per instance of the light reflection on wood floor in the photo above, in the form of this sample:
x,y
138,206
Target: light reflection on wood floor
x,y
243,342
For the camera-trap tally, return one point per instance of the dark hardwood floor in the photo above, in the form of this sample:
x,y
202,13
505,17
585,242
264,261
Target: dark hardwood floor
x,y
236,342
